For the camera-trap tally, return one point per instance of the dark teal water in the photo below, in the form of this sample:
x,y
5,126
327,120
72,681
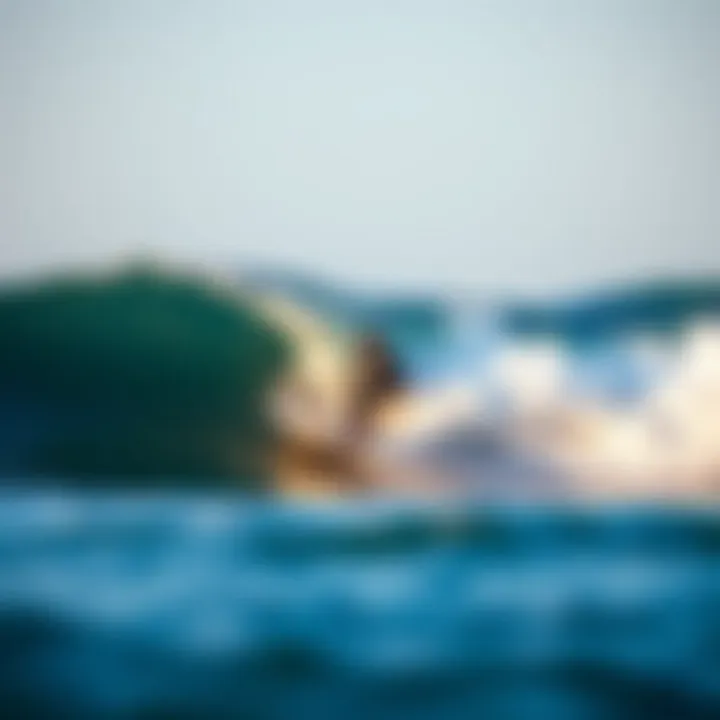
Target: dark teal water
x,y
215,607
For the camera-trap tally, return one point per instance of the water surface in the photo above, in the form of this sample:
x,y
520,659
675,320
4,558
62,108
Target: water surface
x,y
212,607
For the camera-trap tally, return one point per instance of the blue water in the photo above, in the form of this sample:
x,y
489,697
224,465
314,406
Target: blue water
x,y
217,607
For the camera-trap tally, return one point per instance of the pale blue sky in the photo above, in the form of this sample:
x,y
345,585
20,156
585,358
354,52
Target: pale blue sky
x,y
524,145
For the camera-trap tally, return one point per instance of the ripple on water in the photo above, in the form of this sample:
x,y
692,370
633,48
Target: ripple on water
x,y
132,607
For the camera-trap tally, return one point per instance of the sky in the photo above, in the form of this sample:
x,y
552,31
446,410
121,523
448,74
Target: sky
x,y
504,145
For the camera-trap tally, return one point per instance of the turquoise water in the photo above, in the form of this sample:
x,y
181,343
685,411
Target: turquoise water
x,y
218,607
210,606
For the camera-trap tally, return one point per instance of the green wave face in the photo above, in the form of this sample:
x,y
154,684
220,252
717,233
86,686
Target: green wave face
x,y
141,375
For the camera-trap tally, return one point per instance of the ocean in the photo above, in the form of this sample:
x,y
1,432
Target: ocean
x,y
209,606
206,605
